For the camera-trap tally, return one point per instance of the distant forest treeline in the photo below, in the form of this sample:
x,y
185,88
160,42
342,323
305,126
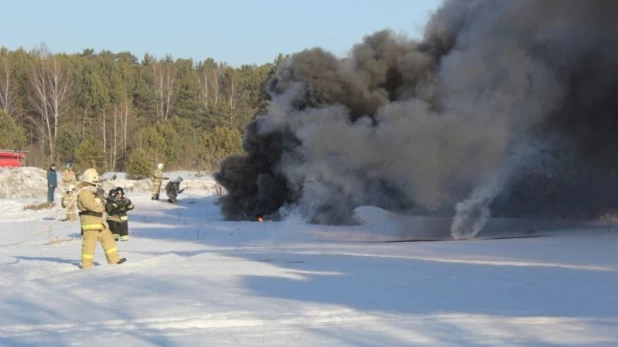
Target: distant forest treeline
x,y
116,112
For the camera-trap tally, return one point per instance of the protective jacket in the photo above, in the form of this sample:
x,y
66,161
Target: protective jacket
x,y
157,180
117,209
68,203
91,207
68,177
172,189
157,176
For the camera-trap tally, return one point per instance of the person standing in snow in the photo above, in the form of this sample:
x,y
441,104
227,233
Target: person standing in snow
x,y
68,176
91,206
68,203
52,182
172,189
157,180
117,218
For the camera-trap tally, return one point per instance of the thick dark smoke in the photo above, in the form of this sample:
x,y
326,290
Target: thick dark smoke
x,y
504,106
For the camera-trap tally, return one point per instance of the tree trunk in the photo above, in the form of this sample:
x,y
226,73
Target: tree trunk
x,y
41,105
84,123
235,92
215,81
50,84
104,139
6,88
204,88
115,139
164,88
125,125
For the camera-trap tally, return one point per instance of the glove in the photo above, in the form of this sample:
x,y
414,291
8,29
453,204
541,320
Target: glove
x,y
121,206
100,194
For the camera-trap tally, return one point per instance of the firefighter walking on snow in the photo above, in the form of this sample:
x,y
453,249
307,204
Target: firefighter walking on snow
x,y
68,176
91,206
117,207
157,180
68,203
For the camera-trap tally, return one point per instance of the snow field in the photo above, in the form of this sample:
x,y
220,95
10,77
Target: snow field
x,y
194,279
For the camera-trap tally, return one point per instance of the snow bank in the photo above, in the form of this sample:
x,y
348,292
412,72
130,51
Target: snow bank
x,y
23,182
31,182
192,181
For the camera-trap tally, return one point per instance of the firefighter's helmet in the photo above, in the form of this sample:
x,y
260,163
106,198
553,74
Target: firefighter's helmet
x,y
91,176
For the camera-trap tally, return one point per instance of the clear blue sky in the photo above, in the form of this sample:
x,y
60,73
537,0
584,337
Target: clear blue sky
x,y
235,31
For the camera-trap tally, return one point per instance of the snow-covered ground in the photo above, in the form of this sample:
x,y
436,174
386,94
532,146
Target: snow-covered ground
x,y
31,182
193,279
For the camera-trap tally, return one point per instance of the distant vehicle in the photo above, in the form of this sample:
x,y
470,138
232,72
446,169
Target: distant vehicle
x,y
11,158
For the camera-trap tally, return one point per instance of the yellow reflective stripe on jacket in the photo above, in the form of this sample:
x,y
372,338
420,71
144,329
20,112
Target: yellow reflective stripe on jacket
x,y
87,256
124,238
99,226
124,218
111,250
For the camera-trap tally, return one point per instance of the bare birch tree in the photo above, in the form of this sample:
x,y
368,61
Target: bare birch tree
x,y
235,90
119,133
204,84
117,119
7,93
50,96
217,73
105,137
125,123
165,77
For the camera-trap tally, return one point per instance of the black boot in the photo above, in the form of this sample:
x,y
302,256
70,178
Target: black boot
x,y
122,260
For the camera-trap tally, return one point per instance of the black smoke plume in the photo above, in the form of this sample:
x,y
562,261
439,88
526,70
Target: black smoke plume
x,y
504,106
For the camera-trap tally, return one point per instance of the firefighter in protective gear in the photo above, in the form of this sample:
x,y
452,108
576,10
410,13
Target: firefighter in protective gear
x,y
117,218
92,206
157,180
172,189
68,203
68,176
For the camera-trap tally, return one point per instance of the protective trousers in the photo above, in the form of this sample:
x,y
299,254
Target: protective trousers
x,y
120,230
71,216
156,189
89,244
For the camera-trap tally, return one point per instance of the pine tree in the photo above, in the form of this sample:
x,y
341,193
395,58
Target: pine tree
x,y
12,136
139,165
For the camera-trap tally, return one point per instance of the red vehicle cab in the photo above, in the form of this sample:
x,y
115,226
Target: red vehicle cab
x,y
10,158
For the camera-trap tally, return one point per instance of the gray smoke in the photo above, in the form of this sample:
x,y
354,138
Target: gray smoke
x,y
496,93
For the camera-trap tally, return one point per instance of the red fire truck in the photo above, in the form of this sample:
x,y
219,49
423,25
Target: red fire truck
x,y
11,158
